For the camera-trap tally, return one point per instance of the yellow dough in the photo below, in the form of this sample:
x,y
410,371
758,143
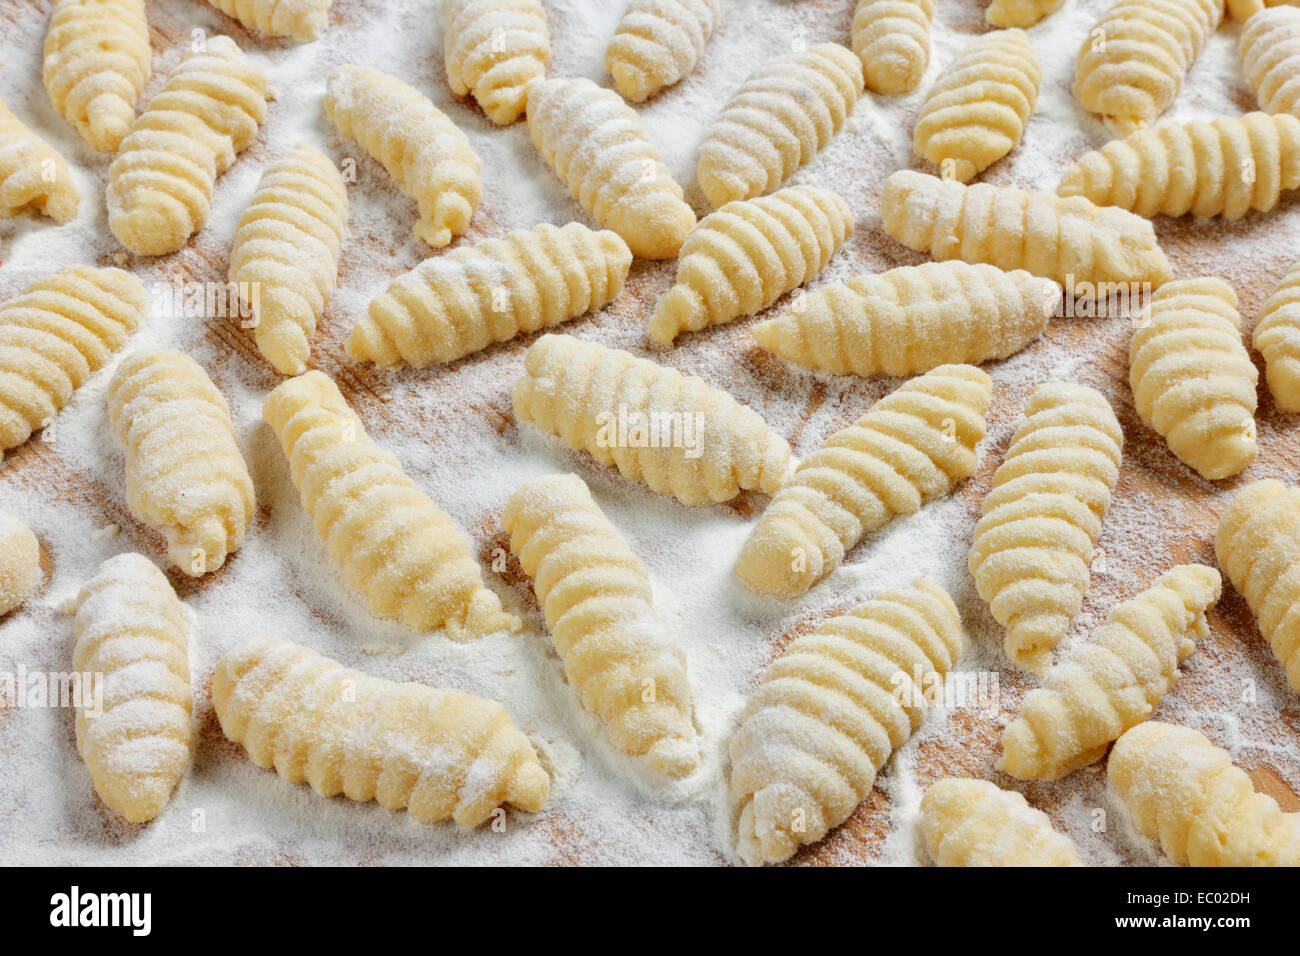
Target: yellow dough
x,y
782,115
439,754
20,562
1070,240
461,302
657,43
287,248
160,183
1277,338
297,19
393,544
54,336
1032,548
914,445
748,254
1225,166
674,432
595,143
1258,545
909,320
97,60
1113,681
185,475
974,823
1183,791
131,629
977,110
429,158
1270,59
1020,13
598,603
828,713
1133,60
496,50
32,174
1192,378
892,38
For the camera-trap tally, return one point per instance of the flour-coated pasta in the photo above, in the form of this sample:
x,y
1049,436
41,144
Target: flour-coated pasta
x,y
32,174
20,562
300,20
748,254
495,50
892,38
1270,59
914,445
974,823
1020,13
1277,338
657,43
461,302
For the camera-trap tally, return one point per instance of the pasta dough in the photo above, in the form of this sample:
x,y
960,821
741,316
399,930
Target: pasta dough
x,y
440,754
287,248
892,38
748,254
779,119
1070,240
297,19
462,301
1182,790
429,158
1032,548
1226,167
828,713
976,111
1020,13
657,43
160,184
595,144
913,446
674,432
597,599
185,475
32,174
20,562
55,335
1114,681
911,319
496,50
1270,59
973,823
1133,62
131,630
1277,338
97,60
1258,545
393,544
1192,378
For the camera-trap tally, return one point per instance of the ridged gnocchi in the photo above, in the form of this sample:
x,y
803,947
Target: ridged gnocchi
x,y
974,823
657,43
32,175
1270,59
892,38
495,50
1277,338
20,562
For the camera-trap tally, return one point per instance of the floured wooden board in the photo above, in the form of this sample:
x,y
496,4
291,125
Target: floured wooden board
x,y
454,431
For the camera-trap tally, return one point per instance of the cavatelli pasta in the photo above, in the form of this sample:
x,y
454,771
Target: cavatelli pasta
x,y
96,62
1270,59
748,254
977,110
1114,681
54,336
20,562
160,183
1069,240
429,158
892,38
598,603
1192,378
461,302
1225,166
1020,13
1185,792
393,544
914,445
1133,62
32,174
1277,338
974,823
674,432
1258,544
287,247
440,754
828,713
185,475
911,319
657,43
778,120
595,144
297,19
1033,547
131,629
495,49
